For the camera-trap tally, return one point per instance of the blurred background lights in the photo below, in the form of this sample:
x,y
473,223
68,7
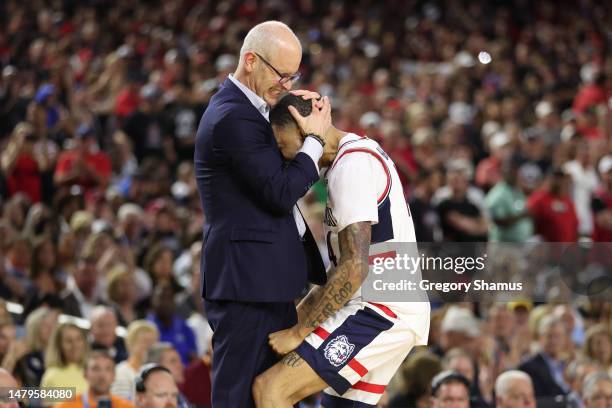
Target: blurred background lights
x,y
484,57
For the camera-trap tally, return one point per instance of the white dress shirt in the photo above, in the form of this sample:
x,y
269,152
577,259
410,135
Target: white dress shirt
x,y
311,147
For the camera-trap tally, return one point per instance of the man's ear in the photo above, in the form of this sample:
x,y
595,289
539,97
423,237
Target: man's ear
x,y
249,61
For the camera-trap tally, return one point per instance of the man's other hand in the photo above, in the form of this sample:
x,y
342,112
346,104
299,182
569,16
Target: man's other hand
x,y
285,341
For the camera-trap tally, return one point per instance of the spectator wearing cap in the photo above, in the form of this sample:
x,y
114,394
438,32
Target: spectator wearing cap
x,y
553,211
601,202
84,165
450,389
48,117
460,218
545,368
103,333
514,389
506,205
489,170
459,329
100,374
597,390
584,182
148,128
23,164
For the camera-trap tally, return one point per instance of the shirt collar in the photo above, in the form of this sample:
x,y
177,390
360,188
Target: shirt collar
x,y
555,364
255,99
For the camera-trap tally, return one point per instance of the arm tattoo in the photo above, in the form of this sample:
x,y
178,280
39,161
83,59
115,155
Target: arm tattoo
x,y
292,359
323,301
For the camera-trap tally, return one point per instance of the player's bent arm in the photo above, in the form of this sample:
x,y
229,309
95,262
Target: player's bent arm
x,y
323,301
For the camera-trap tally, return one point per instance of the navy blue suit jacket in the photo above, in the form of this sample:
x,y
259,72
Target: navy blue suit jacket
x,y
544,383
252,250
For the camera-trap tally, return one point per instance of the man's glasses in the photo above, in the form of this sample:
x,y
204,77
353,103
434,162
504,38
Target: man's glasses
x,y
284,78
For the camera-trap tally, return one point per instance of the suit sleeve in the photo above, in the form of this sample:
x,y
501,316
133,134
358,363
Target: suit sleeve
x,y
260,165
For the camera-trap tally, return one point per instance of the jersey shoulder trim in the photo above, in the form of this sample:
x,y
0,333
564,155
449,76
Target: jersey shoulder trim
x,y
378,157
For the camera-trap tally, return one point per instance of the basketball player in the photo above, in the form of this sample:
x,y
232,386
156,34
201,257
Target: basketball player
x,y
342,344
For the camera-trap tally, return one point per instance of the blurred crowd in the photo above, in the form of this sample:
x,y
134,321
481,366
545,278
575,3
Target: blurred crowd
x,y
498,117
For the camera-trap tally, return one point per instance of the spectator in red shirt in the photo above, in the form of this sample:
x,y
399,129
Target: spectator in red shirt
x,y
591,95
22,164
601,204
197,385
553,211
84,165
488,171
128,98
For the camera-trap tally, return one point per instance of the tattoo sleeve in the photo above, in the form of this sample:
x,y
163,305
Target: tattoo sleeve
x,y
343,281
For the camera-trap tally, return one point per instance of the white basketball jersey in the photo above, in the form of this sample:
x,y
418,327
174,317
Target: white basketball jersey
x,y
363,185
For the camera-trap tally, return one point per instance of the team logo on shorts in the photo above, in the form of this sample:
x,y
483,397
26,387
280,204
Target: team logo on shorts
x,y
338,350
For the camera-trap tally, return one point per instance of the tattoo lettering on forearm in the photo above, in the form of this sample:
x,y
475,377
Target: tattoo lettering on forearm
x,y
293,360
322,302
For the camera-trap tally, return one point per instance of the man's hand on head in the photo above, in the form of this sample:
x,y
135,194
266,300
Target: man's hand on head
x,y
319,120
306,94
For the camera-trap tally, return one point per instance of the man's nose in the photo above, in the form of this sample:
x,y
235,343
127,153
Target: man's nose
x,y
287,85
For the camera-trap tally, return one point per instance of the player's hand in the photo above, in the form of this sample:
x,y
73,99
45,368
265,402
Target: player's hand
x,y
285,341
318,122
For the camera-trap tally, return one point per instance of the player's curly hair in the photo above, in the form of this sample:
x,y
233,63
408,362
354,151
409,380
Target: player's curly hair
x,y
280,115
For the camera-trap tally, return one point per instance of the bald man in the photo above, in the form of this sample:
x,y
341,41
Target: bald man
x,y
514,389
103,333
258,253
7,381
157,388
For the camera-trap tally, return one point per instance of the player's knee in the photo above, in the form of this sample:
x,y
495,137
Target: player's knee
x,y
258,388
266,386
261,387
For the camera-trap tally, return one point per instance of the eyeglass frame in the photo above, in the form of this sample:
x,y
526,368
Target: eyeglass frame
x,y
283,78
